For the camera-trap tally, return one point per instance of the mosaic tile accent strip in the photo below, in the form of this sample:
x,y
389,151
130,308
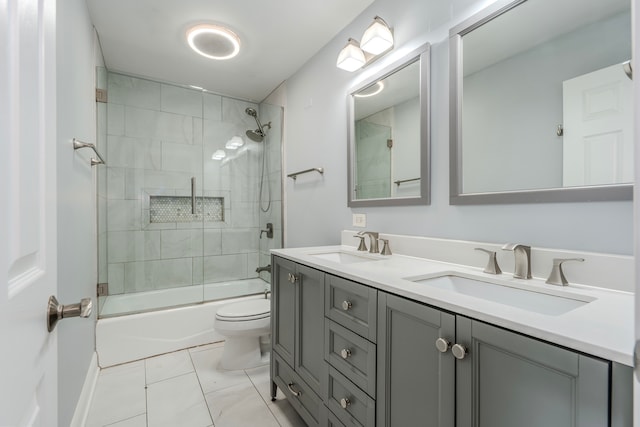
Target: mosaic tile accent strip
x,y
178,209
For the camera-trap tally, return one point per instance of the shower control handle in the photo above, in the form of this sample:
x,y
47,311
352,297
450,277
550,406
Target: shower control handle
x,y
193,195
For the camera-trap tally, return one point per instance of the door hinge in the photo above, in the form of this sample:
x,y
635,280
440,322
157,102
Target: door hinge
x,y
389,143
101,95
103,289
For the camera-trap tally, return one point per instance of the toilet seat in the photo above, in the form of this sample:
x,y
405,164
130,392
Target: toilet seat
x,y
245,311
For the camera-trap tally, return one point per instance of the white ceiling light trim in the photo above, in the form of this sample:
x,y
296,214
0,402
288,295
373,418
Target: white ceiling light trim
x,y
213,41
373,90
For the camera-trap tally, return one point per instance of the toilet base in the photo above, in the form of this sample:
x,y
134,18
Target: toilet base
x,y
242,352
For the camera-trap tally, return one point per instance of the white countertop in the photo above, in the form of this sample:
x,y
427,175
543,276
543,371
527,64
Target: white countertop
x,y
602,327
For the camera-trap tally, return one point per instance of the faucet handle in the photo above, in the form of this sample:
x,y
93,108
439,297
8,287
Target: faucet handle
x,y
557,277
492,266
362,246
386,250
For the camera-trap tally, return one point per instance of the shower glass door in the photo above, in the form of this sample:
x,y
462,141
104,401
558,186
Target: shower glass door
x,y
178,201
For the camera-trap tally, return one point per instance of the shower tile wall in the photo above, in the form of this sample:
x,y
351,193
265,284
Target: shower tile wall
x,y
159,136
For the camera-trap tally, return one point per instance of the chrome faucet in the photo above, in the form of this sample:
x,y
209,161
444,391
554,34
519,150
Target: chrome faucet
x,y
522,255
267,269
373,240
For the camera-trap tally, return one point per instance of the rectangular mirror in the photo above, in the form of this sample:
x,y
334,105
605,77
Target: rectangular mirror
x,y
389,135
541,103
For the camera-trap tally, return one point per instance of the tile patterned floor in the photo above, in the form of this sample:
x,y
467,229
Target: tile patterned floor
x,y
187,389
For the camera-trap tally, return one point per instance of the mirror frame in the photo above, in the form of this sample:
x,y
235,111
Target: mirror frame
x,y
611,192
421,55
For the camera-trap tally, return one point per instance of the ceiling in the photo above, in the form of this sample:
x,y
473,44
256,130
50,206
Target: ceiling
x,y
147,38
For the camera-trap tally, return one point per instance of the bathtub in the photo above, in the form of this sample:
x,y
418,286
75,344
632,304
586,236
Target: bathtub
x,y
132,337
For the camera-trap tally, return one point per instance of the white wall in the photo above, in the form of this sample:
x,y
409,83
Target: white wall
x,y
77,246
316,136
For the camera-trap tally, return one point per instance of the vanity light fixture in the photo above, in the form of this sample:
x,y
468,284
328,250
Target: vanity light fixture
x,y
219,155
213,41
377,38
372,90
351,57
234,143
376,41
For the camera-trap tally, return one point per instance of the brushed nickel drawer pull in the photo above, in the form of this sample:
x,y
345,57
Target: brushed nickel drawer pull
x,y
295,393
345,353
345,403
346,305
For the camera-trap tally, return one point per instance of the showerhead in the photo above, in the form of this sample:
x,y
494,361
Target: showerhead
x,y
258,134
255,135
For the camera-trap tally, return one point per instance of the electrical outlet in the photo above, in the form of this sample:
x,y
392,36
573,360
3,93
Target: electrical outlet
x,y
359,220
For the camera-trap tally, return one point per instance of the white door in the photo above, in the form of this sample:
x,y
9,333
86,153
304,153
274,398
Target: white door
x,y
28,362
598,130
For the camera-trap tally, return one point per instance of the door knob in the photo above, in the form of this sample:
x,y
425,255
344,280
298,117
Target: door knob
x,y
57,311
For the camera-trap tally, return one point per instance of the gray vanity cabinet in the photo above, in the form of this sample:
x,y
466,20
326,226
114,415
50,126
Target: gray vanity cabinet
x,y
416,382
480,375
297,318
506,379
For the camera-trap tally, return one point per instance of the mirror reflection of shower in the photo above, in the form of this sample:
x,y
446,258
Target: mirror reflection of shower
x,y
259,135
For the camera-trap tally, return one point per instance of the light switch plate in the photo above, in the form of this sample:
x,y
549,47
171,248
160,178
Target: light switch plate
x,y
359,220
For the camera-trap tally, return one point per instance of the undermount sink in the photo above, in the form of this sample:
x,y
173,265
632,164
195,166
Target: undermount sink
x,y
343,257
537,302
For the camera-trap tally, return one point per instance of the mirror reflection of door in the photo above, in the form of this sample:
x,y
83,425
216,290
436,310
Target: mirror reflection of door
x,y
373,165
598,131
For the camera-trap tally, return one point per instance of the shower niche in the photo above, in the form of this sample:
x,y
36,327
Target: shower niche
x,y
184,195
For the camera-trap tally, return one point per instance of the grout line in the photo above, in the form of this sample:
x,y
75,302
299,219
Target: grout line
x,y
267,404
146,394
201,389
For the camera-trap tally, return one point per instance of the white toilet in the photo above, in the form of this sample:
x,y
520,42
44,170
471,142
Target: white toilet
x,y
243,323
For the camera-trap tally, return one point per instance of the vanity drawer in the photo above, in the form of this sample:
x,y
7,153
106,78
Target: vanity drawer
x,y
352,355
329,419
299,394
351,405
352,305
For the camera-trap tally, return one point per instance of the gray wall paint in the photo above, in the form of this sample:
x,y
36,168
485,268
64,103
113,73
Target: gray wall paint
x,y
316,136
77,246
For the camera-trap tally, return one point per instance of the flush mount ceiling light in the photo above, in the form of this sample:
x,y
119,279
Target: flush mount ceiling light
x,y
376,41
370,91
213,41
351,56
377,38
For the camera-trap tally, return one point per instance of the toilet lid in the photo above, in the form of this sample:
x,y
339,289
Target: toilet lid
x,y
255,308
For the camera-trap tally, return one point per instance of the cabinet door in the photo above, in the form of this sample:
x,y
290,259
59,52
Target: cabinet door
x,y
507,380
309,356
416,383
283,302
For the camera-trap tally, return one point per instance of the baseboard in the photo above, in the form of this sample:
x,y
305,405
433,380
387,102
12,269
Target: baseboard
x,y
86,395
